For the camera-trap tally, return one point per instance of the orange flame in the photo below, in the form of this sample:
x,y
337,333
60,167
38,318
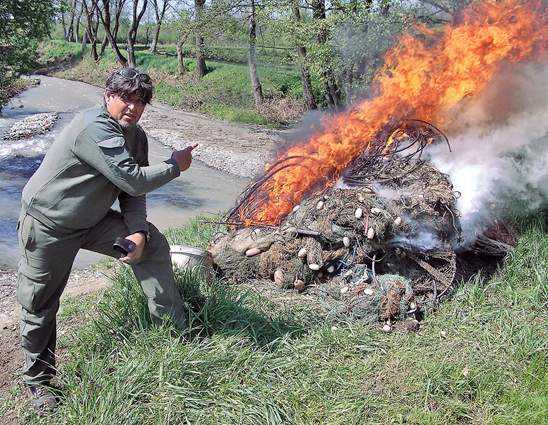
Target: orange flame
x,y
421,78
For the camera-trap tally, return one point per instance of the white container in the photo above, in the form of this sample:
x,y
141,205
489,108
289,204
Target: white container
x,y
191,259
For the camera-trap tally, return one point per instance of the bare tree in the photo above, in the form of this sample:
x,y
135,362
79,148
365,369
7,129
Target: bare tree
x,y
134,26
309,100
159,13
111,34
444,10
181,40
64,24
201,67
77,23
70,27
189,24
252,58
91,10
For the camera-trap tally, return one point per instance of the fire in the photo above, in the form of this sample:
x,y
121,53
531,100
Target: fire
x,y
423,77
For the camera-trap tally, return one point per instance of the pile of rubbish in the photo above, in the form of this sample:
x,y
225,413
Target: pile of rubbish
x,y
378,246
31,126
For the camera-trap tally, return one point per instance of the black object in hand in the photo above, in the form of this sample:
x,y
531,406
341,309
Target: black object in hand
x,y
123,245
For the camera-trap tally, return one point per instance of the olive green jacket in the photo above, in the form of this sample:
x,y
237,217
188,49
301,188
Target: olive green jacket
x,y
92,163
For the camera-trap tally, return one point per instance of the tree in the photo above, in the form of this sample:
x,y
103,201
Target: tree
x,y
184,28
201,67
308,95
22,23
159,13
69,35
252,60
331,87
111,33
134,26
91,9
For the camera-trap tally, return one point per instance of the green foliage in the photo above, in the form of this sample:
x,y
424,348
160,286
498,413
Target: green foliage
x,y
22,23
480,359
224,93
56,50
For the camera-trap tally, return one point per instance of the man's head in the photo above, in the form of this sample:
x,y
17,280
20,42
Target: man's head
x,y
126,94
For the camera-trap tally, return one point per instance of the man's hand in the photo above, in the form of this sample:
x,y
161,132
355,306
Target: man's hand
x,y
184,157
139,239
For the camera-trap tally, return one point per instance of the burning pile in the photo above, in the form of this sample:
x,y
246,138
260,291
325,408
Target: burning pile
x,y
355,212
354,242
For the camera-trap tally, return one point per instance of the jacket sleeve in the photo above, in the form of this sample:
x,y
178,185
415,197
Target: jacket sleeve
x,y
110,157
134,212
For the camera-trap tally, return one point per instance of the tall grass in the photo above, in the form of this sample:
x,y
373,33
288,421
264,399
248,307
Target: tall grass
x,y
480,359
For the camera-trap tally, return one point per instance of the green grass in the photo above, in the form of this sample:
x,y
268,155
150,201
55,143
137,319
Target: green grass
x,y
480,359
54,50
225,92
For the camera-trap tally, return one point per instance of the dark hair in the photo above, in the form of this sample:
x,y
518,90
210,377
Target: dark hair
x,y
130,82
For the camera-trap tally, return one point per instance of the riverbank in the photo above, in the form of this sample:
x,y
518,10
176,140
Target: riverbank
x,y
223,93
233,142
13,88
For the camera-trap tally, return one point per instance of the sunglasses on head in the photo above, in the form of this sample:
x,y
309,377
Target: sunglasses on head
x,y
132,74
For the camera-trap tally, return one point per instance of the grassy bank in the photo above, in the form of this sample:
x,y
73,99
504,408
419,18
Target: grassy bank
x,y
224,93
10,88
480,359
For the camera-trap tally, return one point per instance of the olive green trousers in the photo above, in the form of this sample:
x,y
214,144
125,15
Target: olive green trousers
x,y
47,255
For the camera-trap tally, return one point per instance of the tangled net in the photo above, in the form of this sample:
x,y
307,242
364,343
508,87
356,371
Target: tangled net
x,y
378,245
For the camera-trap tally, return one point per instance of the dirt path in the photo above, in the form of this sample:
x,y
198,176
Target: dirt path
x,y
235,148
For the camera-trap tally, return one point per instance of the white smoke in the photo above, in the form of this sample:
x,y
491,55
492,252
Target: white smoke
x,y
499,158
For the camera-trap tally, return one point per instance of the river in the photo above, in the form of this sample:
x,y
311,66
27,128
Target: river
x,y
199,190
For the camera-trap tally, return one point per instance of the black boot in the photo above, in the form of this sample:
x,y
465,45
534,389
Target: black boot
x,y
43,399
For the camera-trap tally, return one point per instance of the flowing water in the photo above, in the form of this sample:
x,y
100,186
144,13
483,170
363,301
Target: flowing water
x,y
199,190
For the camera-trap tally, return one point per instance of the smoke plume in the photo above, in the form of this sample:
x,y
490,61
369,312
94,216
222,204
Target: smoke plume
x,y
499,158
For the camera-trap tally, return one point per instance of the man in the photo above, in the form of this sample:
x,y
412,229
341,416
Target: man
x,y
99,158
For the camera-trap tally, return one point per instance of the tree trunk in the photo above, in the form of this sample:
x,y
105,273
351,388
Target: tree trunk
x,y
63,23
130,52
255,82
77,31
92,13
180,59
117,13
70,29
132,33
147,36
308,96
154,45
332,90
159,19
103,46
105,19
84,41
201,67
